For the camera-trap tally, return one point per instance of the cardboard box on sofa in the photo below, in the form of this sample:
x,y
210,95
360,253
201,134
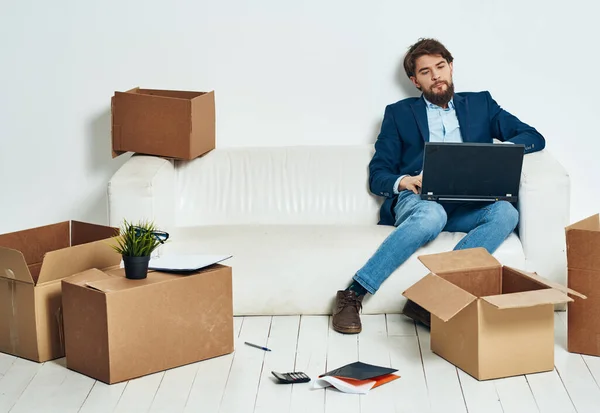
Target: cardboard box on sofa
x,y
118,329
491,321
32,263
583,264
168,123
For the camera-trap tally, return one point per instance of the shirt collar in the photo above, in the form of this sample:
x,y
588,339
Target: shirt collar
x,y
432,106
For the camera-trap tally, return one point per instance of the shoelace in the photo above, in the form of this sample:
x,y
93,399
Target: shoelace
x,y
352,300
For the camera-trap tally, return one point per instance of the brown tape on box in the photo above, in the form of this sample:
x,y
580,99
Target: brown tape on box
x,y
12,310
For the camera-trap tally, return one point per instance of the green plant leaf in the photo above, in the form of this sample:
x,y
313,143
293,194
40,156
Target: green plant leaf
x,y
136,240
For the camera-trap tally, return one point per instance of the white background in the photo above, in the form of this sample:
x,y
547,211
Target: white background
x,y
284,73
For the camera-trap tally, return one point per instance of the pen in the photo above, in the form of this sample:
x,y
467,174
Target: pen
x,y
257,346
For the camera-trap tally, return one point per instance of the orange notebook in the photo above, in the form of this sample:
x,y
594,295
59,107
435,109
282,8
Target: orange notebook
x,y
379,380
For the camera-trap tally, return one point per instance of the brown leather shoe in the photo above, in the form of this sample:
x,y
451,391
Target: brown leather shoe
x,y
346,318
417,313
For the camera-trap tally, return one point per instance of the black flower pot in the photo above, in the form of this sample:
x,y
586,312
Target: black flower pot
x,y
136,268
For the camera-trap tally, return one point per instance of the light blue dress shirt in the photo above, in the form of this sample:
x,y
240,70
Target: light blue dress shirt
x,y
443,127
443,123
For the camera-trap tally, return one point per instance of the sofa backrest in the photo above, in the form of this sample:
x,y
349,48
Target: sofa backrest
x,y
307,185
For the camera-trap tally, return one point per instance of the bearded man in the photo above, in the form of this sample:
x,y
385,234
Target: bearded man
x,y
395,173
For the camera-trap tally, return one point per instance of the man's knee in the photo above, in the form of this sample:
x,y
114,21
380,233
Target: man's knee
x,y
505,215
432,217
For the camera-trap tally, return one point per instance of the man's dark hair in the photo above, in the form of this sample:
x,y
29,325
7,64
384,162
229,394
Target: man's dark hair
x,y
421,48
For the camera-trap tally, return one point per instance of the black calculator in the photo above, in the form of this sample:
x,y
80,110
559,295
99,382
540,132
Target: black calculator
x,y
290,378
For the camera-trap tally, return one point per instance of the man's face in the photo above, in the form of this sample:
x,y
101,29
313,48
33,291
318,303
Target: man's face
x,y
433,76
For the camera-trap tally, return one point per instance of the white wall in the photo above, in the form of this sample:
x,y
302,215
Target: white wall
x,y
309,72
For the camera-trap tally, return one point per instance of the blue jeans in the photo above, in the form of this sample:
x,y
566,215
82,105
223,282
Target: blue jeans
x,y
418,222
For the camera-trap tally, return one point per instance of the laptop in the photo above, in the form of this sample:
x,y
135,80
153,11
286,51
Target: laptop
x,y
459,172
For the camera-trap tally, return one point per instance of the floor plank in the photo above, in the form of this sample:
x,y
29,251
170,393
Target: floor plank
x,y
139,394
283,339
400,325
6,361
71,394
54,389
211,377
445,393
174,389
242,384
411,389
311,358
480,396
103,397
342,349
515,395
550,393
373,348
593,364
574,373
15,381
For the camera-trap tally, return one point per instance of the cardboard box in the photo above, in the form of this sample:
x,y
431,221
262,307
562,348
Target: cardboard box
x,y
168,123
32,263
118,329
583,262
491,321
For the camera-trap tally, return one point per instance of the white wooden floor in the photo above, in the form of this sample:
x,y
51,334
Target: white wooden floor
x,y
242,381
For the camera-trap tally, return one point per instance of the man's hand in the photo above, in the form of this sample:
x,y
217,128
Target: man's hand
x,y
412,183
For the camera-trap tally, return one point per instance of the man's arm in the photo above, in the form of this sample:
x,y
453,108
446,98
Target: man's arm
x,y
509,128
384,168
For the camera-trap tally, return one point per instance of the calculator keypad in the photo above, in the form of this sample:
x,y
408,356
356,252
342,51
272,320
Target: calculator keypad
x,y
292,377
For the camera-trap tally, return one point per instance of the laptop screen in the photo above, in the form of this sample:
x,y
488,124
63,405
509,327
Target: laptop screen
x,y
472,170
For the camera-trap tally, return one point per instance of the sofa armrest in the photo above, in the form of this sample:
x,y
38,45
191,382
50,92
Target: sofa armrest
x,y
143,189
544,207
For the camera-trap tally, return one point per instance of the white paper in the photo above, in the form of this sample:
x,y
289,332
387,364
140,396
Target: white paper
x,y
184,262
341,385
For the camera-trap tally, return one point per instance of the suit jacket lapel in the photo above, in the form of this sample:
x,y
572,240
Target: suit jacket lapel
x,y
420,112
462,114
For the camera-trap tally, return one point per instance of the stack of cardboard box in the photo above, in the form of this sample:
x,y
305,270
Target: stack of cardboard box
x,y
32,264
62,291
55,300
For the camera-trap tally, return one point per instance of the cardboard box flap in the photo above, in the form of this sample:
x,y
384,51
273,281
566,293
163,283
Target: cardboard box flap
x,y
87,276
542,281
174,94
528,299
83,232
114,284
68,261
462,260
35,242
13,266
439,297
589,224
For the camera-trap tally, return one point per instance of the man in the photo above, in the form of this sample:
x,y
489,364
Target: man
x,y
439,115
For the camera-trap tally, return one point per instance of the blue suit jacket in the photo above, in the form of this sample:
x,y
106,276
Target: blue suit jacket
x,y
404,131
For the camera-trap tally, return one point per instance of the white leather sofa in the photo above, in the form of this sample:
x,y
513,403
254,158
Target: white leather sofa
x,y
299,221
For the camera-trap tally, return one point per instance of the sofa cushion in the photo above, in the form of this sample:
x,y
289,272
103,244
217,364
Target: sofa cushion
x,y
297,269
277,186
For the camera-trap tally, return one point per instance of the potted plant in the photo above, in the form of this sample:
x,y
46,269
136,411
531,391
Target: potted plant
x,y
135,243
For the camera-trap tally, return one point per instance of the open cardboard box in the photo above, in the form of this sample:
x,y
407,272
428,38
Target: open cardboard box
x,y
32,263
118,329
489,320
583,262
169,123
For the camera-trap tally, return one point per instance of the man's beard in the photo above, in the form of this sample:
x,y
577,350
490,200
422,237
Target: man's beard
x,y
440,99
